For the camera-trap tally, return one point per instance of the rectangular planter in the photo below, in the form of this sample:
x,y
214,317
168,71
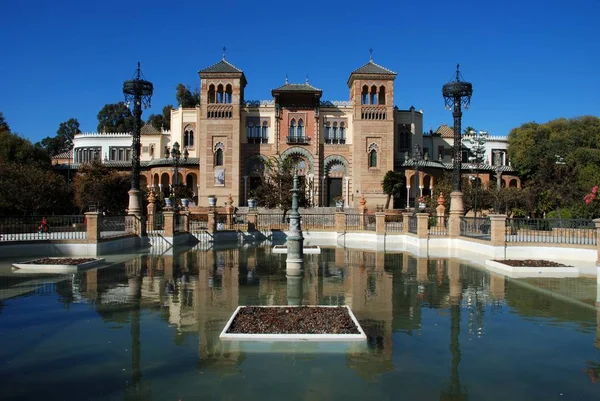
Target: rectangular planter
x,y
361,336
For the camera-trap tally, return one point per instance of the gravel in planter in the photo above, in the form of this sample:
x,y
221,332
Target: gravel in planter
x,y
293,320
530,263
60,261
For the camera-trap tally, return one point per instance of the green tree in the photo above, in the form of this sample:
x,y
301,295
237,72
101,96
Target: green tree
x,y
63,139
559,161
392,184
163,120
186,97
274,189
115,117
14,149
97,184
27,189
3,124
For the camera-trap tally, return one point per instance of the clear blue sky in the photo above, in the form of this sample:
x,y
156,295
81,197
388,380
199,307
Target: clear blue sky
x,y
528,60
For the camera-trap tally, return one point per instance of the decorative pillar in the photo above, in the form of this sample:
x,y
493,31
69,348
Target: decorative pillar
x,y
347,197
151,211
229,210
92,227
340,222
380,223
407,196
498,229
405,221
362,210
441,210
185,215
422,225
169,219
252,217
211,226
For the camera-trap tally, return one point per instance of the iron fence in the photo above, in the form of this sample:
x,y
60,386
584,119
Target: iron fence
x,y
476,227
235,221
370,222
394,223
555,231
275,221
318,221
438,226
354,221
412,224
112,226
32,228
198,222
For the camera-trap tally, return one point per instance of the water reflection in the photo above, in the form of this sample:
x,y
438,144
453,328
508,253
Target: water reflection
x,y
396,297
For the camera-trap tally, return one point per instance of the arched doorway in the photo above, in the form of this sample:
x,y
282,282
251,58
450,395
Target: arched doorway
x,y
254,172
335,183
165,184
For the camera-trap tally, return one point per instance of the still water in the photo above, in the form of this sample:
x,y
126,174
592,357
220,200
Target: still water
x,y
147,327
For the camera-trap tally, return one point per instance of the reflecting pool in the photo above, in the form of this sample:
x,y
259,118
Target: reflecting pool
x,y
146,327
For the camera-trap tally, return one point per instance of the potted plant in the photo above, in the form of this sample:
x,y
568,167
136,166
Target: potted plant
x,y
169,202
185,202
251,203
422,202
212,200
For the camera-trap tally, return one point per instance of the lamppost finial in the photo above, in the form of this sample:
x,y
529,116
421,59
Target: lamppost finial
x,y
371,54
224,51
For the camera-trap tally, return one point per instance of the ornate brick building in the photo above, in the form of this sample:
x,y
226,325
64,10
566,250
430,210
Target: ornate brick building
x,y
341,148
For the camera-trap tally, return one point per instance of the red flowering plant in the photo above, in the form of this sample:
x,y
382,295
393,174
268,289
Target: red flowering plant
x,y
589,198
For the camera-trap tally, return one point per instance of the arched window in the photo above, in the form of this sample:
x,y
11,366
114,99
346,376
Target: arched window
x,y
327,132
152,150
186,137
382,94
300,132
211,94
250,131
364,98
335,132
342,136
191,139
373,158
373,94
293,128
220,93
265,132
228,93
219,157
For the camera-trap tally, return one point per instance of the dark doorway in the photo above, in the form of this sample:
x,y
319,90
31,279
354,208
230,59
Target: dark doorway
x,y
253,184
334,189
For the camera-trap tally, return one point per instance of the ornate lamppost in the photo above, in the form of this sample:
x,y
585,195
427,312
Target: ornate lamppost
x,y
477,139
137,92
176,156
456,94
416,159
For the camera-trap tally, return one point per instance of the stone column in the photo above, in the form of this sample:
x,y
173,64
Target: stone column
x,y
185,215
597,223
407,196
340,222
347,195
380,223
169,217
151,211
498,229
422,225
212,221
92,226
456,212
229,210
405,222
362,210
252,217
441,210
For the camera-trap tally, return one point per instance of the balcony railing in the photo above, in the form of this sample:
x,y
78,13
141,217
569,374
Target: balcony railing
x,y
298,139
336,141
219,111
373,113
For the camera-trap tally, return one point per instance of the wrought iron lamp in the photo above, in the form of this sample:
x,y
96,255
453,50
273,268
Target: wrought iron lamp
x,y
456,94
477,139
176,156
416,159
138,93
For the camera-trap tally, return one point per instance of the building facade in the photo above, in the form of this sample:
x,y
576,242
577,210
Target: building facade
x,y
339,148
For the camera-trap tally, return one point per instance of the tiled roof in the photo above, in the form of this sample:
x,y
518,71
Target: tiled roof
x,y
64,155
222,66
373,68
466,167
148,129
445,131
297,88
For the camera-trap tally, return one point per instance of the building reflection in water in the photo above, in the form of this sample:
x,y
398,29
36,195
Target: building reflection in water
x,y
197,291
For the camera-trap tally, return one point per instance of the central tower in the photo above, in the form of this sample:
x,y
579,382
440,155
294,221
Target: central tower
x,y
372,98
